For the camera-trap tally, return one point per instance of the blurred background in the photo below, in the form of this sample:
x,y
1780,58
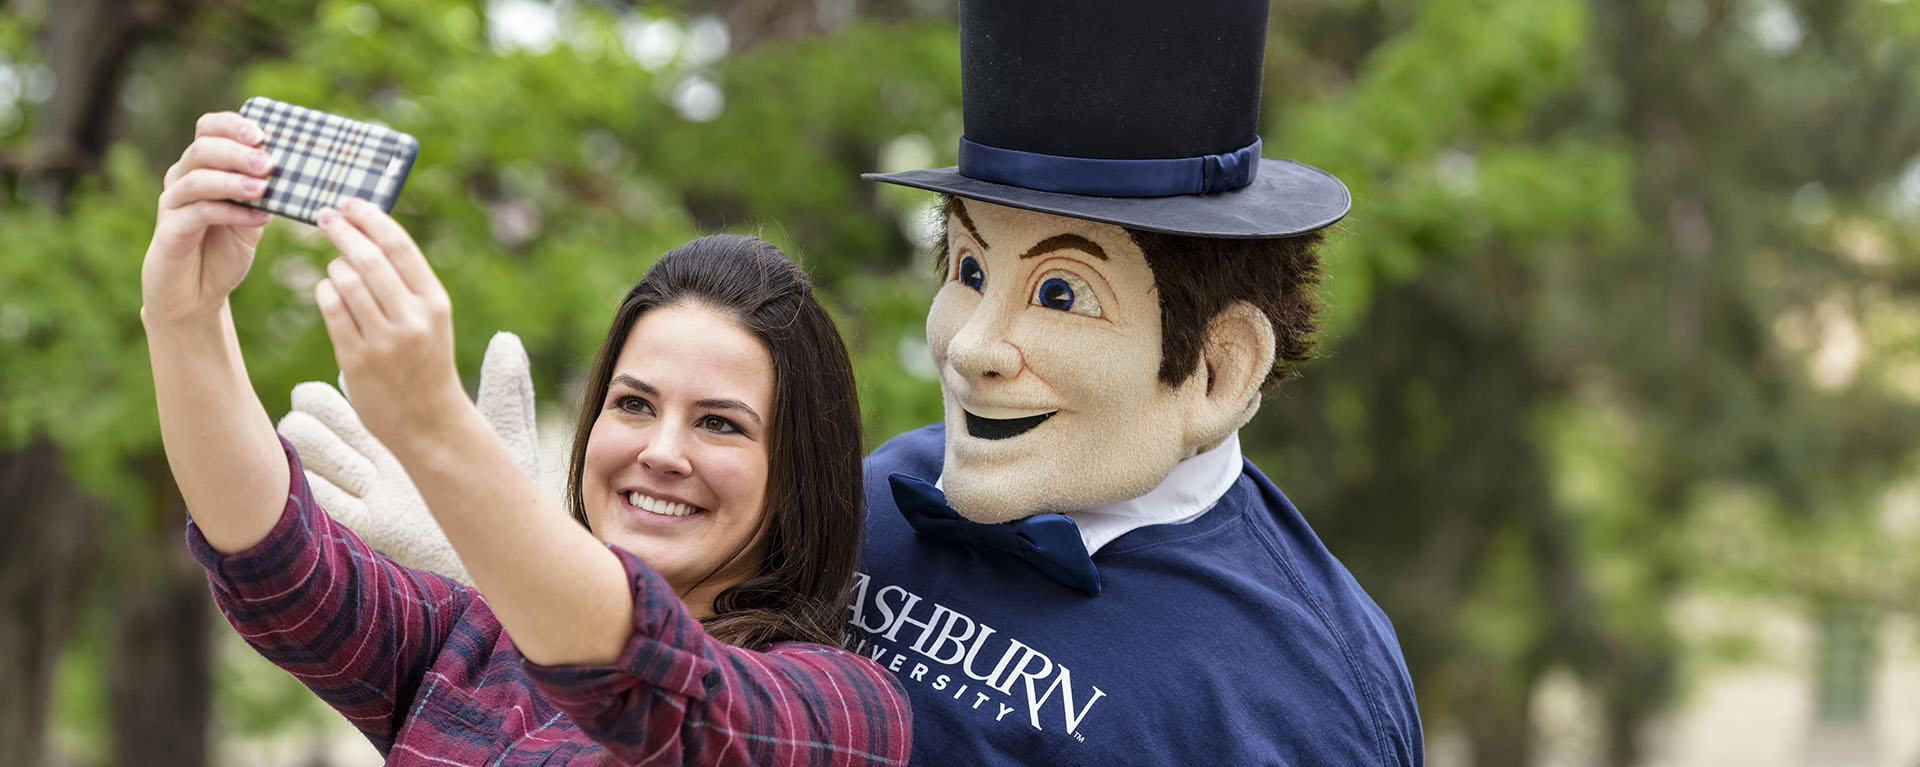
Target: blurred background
x,y
1621,368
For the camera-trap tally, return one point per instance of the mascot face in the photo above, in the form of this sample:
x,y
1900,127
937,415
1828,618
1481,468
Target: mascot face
x,y
1046,335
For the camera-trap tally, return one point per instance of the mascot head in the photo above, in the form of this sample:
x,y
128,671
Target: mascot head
x,y
1123,271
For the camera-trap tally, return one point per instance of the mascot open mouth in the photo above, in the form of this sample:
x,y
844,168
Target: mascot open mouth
x,y
1002,428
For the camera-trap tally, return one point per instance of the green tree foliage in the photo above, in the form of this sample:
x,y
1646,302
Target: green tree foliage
x,y
1620,317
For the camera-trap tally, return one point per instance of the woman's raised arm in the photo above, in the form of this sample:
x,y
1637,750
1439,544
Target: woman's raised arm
x,y
218,438
559,592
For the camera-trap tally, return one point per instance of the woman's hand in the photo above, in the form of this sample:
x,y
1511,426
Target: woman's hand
x,y
392,327
203,243
561,594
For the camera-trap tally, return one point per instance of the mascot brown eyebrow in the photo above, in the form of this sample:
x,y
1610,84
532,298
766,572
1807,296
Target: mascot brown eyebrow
x,y
1077,566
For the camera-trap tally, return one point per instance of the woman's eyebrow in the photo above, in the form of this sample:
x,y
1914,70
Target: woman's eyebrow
x,y
634,383
729,404
1065,242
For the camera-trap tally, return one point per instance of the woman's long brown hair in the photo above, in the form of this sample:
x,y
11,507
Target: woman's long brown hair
x,y
813,520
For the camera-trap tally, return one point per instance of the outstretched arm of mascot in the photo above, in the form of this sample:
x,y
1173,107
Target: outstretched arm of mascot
x,y
361,484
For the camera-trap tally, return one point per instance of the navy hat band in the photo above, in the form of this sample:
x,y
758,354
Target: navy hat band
x,y
1206,174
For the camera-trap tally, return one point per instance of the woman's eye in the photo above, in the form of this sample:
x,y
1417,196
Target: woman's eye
x,y
715,423
1067,292
632,404
969,273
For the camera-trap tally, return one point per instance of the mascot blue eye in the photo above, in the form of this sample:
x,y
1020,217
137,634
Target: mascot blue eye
x,y
970,274
1056,294
1068,292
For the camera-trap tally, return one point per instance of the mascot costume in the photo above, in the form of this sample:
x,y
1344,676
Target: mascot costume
x,y
1077,566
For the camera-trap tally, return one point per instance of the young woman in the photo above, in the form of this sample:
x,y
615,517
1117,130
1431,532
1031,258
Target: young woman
x,y
685,614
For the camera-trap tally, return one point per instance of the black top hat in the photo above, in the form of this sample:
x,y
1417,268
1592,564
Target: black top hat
x,y
1141,113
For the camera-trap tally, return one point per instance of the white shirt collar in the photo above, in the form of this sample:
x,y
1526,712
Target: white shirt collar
x,y
1192,488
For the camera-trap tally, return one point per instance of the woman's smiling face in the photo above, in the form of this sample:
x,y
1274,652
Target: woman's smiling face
x,y
676,461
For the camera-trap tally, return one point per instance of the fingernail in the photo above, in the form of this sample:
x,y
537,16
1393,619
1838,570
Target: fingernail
x,y
327,216
252,135
259,162
352,205
253,187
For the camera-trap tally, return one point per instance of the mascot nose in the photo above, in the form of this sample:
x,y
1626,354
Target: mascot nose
x,y
981,349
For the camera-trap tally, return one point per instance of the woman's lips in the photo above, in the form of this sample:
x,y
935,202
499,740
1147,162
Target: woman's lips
x,y
659,506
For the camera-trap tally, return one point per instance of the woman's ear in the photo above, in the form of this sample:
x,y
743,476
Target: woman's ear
x,y
1235,358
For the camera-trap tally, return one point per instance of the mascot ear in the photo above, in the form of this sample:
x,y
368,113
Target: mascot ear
x,y
1235,359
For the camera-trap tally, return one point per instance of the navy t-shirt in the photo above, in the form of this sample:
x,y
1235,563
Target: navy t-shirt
x,y
1234,639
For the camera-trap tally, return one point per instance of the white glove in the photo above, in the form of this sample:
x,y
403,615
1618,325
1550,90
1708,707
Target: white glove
x,y
361,485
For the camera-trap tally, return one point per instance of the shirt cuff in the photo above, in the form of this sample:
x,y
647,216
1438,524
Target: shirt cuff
x,y
668,650
279,562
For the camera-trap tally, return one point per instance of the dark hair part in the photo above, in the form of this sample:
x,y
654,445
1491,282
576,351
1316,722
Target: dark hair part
x,y
812,524
1197,277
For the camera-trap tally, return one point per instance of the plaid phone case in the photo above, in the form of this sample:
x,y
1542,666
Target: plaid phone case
x,y
321,158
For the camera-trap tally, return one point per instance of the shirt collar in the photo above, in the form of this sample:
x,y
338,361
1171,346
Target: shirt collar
x,y
1192,488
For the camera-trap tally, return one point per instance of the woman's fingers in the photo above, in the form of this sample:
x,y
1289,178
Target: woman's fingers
x,y
178,231
230,125
209,213
371,265
339,322
407,260
351,289
209,184
221,153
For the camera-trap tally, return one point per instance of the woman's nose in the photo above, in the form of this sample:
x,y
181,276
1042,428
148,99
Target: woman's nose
x,y
666,452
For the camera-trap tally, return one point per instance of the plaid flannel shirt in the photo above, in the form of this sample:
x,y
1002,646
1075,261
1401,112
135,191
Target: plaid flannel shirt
x,y
420,665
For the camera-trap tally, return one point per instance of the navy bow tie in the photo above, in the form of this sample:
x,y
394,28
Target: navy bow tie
x,y
1050,542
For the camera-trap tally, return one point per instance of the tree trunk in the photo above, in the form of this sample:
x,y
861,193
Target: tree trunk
x,y
159,659
48,549
86,43
159,686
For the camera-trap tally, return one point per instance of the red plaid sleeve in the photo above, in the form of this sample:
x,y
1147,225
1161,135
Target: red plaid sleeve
x,y
678,693
354,626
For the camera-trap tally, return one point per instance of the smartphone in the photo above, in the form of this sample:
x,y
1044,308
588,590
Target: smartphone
x,y
320,159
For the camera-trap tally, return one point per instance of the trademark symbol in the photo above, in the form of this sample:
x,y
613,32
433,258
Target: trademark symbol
x,y
1079,737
